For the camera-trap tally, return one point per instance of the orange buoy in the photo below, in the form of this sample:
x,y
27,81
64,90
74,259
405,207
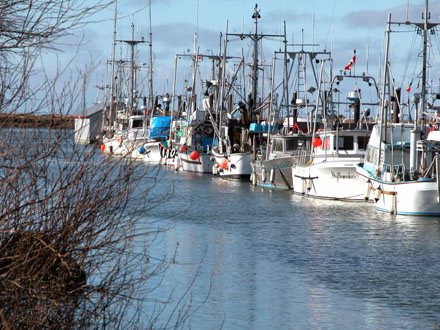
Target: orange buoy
x,y
224,164
102,147
194,155
182,148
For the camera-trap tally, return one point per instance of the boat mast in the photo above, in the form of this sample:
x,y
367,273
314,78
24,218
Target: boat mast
x,y
133,68
254,67
425,48
112,88
383,112
150,80
253,94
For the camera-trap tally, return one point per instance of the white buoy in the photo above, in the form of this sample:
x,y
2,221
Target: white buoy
x,y
368,192
303,186
254,179
393,203
272,175
309,184
263,175
176,163
215,169
378,194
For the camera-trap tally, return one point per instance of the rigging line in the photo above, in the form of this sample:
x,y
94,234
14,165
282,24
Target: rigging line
x,y
331,24
432,54
408,60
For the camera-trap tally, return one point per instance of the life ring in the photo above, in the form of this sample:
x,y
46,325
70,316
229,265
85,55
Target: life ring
x,y
208,131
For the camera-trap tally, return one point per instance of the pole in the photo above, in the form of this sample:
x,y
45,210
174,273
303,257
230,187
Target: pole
x,y
150,81
383,110
112,88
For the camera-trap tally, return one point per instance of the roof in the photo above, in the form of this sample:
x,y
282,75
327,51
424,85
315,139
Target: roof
x,y
89,111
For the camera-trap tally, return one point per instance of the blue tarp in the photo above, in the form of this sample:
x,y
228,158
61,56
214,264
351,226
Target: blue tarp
x,y
254,127
160,127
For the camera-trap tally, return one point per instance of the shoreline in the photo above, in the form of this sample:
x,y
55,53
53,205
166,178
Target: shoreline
x,y
36,121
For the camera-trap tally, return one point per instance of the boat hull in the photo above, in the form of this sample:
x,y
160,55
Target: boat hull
x,y
419,197
275,173
337,180
203,164
234,166
156,153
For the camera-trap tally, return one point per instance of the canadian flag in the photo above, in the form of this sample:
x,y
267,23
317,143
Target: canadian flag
x,y
352,61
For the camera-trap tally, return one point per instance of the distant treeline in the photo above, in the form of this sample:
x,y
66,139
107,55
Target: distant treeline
x,y
36,121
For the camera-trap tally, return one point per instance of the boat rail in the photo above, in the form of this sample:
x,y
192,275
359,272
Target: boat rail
x,y
302,157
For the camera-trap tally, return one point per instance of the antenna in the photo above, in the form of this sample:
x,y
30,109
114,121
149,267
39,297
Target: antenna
x,y
407,7
313,30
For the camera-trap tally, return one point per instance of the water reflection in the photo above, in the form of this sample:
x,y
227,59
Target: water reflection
x,y
279,261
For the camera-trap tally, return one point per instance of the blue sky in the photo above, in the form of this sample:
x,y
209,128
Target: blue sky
x,y
337,25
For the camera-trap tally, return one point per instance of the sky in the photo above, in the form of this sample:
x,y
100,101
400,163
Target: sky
x,y
339,26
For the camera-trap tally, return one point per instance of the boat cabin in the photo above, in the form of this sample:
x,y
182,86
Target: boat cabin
x,y
289,145
342,142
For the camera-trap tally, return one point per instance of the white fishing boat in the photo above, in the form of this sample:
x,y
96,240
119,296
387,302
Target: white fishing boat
x,y
393,186
331,172
126,141
237,143
284,152
157,149
401,170
198,130
195,145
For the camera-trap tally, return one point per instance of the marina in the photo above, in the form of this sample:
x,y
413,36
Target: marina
x,y
247,135
261,174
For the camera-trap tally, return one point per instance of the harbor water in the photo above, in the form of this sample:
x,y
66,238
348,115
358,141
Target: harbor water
x,y
254,258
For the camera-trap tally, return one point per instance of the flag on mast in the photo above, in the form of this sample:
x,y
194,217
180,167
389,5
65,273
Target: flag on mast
x,y
352,61
409,87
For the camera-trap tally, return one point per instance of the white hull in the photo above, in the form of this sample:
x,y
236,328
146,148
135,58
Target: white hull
x,y
329,179
238,165
203,164
113,146
409,197
156,153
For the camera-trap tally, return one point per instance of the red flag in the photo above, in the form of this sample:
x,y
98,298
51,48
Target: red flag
x,y
352,61
409,87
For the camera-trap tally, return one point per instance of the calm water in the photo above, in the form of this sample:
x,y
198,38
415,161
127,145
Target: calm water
x,y
253,258
271,260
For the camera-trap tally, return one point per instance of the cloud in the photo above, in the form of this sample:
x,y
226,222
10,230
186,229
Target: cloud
x,y
378,18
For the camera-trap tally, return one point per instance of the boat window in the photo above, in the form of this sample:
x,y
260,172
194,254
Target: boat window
x,y
292,145
345,142
326,143
138,123
278,145
362,142
371,156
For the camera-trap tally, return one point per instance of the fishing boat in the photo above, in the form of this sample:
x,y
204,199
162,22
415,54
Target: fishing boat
x,y
337,148
292,142
401,169
198,130
285,151
125,124
237,143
